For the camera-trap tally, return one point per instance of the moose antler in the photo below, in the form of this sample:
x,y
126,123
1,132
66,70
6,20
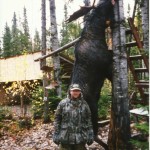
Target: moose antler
x,y
81,12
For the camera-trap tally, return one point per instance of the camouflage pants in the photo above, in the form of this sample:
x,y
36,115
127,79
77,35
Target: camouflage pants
x,y
72,147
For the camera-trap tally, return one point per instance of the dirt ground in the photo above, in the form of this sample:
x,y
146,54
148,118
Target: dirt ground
x,y
38,137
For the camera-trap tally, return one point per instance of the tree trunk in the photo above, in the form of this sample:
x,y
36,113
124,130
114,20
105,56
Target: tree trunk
x,y
43,63
55,45
119,133
21,105
145,23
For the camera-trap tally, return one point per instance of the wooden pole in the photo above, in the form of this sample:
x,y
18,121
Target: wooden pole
x,y
58,50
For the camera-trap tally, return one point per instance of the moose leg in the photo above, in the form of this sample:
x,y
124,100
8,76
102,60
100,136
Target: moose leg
x,y
90,82
94,114
92,99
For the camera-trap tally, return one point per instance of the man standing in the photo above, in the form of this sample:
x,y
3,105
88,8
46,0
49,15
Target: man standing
x,y
72,126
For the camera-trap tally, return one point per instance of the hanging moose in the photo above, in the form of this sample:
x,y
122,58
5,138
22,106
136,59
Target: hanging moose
x,y
93,60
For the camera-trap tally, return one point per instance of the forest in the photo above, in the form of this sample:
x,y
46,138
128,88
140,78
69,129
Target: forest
x,y
27,107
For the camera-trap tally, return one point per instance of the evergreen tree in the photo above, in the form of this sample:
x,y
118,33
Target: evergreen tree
x,y
7,42
74,31
14,26
25,36
64,31
37,41
69,32
25,23
16,45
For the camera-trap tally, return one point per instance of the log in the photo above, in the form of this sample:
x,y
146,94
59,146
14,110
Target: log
x,y
58,50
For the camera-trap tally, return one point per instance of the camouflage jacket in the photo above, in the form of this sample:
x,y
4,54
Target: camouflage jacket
x,y
72,123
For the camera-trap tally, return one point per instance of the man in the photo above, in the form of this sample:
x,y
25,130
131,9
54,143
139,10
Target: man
x,y
72,126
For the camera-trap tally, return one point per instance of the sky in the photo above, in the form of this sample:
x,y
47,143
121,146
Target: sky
x,y
8,7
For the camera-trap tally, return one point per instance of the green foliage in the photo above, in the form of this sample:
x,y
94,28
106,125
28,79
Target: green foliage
x,y
69,32
25,42
37,41
38,103
15,43
2,114
143,143
144,128
105,101
16,39
25,122
18,90
54,100
7,42
5,113
25,37
146,107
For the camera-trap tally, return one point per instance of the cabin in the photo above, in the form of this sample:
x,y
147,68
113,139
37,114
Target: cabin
x,y
23,67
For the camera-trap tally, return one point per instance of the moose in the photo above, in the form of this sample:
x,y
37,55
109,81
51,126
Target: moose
x,y
93,60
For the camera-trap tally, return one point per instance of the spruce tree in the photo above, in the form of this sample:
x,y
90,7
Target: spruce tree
x,y
64,30
37,41
25,35
16,45
69,32
7,42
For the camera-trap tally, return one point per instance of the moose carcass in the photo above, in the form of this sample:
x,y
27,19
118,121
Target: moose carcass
x,y
93,60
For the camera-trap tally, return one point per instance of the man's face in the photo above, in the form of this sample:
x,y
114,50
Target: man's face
x,y
75,93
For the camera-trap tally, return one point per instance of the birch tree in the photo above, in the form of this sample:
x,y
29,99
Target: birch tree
x,y
145,23
55,45
119,133
43,62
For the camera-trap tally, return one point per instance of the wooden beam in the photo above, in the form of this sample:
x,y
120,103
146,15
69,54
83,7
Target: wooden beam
x,y
58,50
66,60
